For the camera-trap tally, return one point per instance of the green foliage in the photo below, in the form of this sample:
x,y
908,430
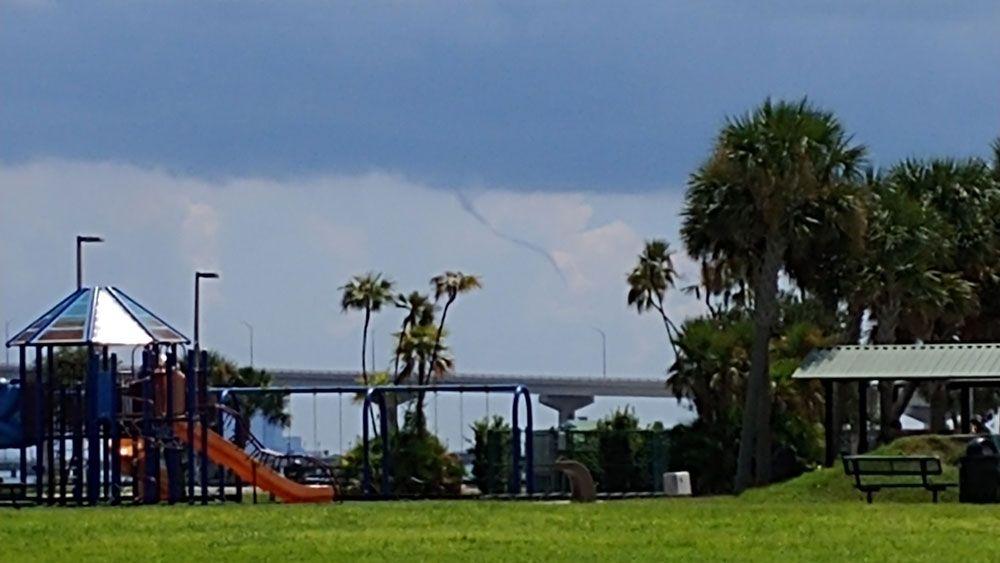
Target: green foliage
x,y
223,372
619,446
711,370
707,452
421,465
621,456
491,463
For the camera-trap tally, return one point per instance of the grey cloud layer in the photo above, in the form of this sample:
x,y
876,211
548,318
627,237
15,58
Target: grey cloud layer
x,y
588,95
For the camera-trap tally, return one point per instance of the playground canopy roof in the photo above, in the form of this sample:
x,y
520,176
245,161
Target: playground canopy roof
x,y
903,362
105,316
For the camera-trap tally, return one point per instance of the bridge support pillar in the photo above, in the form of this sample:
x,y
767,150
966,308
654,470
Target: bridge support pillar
x,y
566,405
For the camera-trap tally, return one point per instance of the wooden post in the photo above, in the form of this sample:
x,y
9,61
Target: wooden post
x,y
829,422
863,416
965,405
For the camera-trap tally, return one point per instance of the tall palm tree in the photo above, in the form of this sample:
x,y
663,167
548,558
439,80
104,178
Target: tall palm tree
x,y
765,187
368,293
449,285
649,281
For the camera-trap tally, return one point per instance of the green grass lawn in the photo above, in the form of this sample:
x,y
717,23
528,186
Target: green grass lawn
x,y
651,530
816,517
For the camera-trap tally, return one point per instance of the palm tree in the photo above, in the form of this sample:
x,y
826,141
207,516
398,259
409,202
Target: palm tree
x,y
449,285
419,312
934,252
649,281
416,350
223,372
366,293
423,354
765,187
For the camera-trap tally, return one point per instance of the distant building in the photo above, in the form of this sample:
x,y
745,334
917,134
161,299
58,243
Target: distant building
x,y
274,437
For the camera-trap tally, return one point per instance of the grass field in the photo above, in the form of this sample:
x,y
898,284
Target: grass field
x,y
817,517
650,530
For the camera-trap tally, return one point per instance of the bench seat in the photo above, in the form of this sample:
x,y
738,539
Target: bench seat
x,y
911,472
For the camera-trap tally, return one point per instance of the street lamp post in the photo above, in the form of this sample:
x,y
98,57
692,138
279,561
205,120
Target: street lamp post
x,y
604,351
80,241
198,276
250,328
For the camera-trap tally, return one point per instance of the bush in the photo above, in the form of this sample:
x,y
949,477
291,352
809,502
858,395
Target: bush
x,y
421,465
619,446
491,463
709,451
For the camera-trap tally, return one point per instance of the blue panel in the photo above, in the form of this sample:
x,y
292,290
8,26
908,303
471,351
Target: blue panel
x,y
11,428
104,395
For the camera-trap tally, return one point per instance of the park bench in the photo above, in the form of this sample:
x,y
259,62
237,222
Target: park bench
x,y
894,472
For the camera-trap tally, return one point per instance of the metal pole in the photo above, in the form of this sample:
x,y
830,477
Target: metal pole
x,y
863,416
6,335
79,263
197,308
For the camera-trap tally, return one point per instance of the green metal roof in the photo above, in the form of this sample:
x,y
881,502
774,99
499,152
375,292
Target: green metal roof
x,y
903,361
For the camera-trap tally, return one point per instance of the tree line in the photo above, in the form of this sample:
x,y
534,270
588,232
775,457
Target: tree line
x,y
802,241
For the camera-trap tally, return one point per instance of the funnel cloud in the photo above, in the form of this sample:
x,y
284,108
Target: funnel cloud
x,y
470,208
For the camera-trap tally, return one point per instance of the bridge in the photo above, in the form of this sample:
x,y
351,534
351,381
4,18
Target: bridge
x,y
565,394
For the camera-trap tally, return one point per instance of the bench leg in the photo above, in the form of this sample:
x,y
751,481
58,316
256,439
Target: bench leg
x,y
869,494
934,493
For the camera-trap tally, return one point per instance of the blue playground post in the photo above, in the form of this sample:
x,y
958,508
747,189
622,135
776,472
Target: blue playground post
x,y
93,431
115,421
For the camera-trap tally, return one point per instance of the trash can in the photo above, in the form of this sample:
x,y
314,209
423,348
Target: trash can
x,y
979,472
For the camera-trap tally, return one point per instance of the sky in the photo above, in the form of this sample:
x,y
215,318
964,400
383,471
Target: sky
x,y
290,145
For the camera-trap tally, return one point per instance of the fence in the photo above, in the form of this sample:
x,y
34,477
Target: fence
x,y
621,461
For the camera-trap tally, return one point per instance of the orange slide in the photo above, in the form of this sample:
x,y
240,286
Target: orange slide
x,y
230,455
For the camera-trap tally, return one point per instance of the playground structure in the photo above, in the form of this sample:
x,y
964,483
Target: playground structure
x,y
143,435
105,432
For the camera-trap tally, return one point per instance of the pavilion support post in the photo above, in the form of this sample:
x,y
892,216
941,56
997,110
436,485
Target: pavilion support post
x,y
863,416
965,405
829,422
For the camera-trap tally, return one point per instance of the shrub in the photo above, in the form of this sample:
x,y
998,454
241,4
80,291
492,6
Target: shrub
x,y
491,463
421,465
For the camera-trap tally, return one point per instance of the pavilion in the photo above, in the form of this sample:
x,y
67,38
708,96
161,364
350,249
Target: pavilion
x,y
962,366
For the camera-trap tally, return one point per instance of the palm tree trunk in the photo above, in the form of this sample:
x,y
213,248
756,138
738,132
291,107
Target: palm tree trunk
x,y
888,322
938,399
755,436
855,318
399,344
440,331
364,346
852,335
419,421
434,357
669,325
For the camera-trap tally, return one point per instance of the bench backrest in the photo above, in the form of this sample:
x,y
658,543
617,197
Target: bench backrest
x,y
858,465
